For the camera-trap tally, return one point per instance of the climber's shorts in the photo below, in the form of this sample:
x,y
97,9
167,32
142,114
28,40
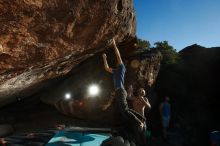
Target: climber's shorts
x,y
165,121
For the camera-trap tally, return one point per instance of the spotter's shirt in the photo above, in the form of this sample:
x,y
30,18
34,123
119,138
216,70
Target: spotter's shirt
x,y
166,109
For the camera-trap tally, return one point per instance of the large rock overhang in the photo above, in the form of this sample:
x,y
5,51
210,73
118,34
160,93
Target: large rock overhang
x,y
41,40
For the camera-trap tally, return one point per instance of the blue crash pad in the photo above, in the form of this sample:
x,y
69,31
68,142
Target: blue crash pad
x,y
67,138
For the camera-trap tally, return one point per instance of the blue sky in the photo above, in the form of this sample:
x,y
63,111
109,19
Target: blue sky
x,y
180,22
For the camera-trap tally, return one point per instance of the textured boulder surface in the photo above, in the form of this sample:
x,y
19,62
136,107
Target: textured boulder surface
x,y
141,71
30,114
44,39
51,47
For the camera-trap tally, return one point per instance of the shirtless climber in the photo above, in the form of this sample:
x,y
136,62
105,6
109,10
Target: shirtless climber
x,y
140,103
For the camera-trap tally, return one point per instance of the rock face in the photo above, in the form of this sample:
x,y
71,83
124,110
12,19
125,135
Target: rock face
x,y
44,39
53,47
141,71
31,114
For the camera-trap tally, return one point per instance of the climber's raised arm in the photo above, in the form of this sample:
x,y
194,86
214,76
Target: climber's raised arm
x,y
107,68
117,53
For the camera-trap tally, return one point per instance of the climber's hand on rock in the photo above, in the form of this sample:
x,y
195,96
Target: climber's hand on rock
x,y
113,42
104,56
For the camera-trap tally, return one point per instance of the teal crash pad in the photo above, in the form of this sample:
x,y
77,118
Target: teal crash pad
x,y
67,138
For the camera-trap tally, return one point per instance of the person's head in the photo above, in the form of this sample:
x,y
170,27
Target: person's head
x,y
112,94
167,98
130,88
141,92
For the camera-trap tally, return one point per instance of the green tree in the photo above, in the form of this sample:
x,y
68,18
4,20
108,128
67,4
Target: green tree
x,y
143,44
170,56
